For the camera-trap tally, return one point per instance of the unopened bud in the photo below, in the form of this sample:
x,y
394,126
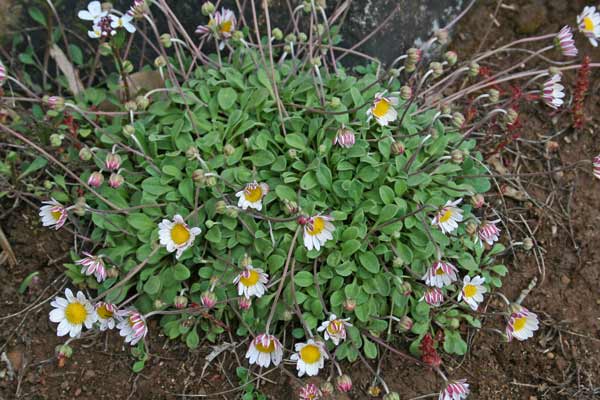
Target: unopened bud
x,y
494,95
208,299
158,304
115,180
220,207
409,67
192,153
458,119
457,156
554,71
277,34
327,389
471,228
142,102
112,272
112,162
244,303
211,181
527,244
454,323
397,262
335,102
302,37
237,35
80,206
232,212
105,49
291,207
48,184
180,302
405,324
198,176
442,36
307,7
406,288
413,55
210,223
56,140
207,8
131,106
64,351
474,69
55,103
96,179
349,304
406,92
127,67
247,260
128,130
85,154
292,153
165,40
511,116
344,383
451,57
398,148
477,201
394,72
315,61
290,38
287,315
228,150
160,62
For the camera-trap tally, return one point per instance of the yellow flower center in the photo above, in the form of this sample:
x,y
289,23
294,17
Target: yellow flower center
x,y
439,271
519,323
317,226
588,24
446,215
56,215
335,327
226,27
470,290
381,108
75,313
253,193
268,349
310,354
249,278
103,312
180,234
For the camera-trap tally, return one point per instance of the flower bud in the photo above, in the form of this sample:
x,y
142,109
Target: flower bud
x,y
494,95
391,396
406,288
291,207
554,71
397,262
413,55
85,154
96,179
232,212
142,102
220,207
454,323
457,156
198,176
244,303
192,153
396,235
80,206
228,150
63,352
55,103
409,67
210,223
528,244
405,324
315,62
406,92
398,148
127,67
210,181
474,69
471,228
349,304
451,57
287,48
160,62
458,119
208,299
442,36
246,261
277,34
128,130
437,68
158,304
131,106
344,138
327,389
165,40
207,8
48,184
180,302
477,201
302,37
511,116
112,273
290,38
105,49
238,35
394,72
344,383
292,153
112,162
306,7
115,180
335,102
56,140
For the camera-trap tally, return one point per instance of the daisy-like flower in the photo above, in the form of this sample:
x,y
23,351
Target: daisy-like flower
x,y
383,109
488,232
596,166
317,230
123,21
589,24
251,282
252,195
2,73
553,92
455,390
335,329
472,291
440,274
102,28
310,392
176,235
53,214
93,13
72,314
264,350
521,324
106,315
92,265
344,138
433,296
448,217
222,24
132,326
310,357
565,43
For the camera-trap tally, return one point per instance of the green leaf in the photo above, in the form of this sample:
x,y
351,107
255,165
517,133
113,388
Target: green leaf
x,y
387,194
226,98
370,348
350,247
37,164
304,279
369,261
181,272
214,234
37,16
141,222
192,340
76,54
296,141
152,285
324,177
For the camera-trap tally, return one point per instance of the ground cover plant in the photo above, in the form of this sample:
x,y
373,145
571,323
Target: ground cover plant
x,y
268,193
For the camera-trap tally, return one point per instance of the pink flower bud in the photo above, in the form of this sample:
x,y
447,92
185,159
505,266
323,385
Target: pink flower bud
x,y
180,302
344,138
112,162
96,179
244,303
208,299
116,180
477,201
344,383
349,304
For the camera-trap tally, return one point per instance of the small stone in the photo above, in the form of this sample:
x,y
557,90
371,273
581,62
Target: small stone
x,y
550,355
89,374
565,280
77,392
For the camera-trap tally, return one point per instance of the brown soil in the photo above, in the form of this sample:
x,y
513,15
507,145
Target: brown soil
x,y
561,362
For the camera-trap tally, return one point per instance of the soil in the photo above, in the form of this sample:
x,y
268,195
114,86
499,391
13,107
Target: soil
x,y
561,362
